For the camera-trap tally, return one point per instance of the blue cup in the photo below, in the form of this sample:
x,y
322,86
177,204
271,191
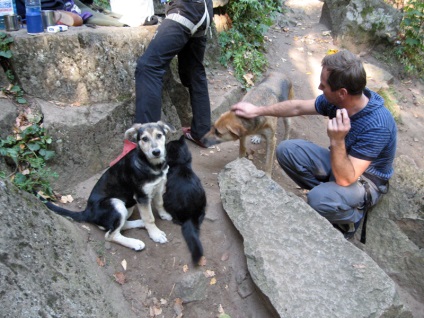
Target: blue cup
x,y
34,21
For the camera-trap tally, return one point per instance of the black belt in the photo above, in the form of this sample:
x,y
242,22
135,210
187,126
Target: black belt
x,y
376,180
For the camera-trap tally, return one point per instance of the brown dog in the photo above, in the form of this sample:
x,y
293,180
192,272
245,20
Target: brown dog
x,y
229,126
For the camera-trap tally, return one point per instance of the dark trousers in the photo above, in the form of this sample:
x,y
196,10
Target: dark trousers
x,y
173,39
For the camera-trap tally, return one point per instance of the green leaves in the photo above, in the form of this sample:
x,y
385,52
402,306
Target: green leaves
x,y
411,50
29,151
243,44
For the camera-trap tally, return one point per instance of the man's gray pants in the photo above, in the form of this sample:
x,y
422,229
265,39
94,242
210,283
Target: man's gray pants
x,y
308,165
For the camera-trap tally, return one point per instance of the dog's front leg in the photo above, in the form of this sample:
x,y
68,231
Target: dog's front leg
x,y
158,203
243,149
271,142
146,214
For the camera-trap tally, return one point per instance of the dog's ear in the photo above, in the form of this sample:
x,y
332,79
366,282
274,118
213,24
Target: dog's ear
x,y
131,134
237,129
166,127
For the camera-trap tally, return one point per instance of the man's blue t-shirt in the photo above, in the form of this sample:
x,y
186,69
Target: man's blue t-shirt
x,y
372,136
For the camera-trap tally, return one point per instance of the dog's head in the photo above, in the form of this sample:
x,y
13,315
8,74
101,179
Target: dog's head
x,y
151,138
227,127
177,152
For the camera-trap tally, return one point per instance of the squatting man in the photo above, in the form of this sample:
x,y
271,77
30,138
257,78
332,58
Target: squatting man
x,y
352,174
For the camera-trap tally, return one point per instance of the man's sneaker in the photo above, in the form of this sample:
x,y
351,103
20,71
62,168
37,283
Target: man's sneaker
x,y
187,135
349,229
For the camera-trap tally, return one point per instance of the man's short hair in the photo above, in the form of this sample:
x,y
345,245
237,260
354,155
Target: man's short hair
x,y
345,71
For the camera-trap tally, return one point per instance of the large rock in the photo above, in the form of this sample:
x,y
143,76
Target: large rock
x,y
359,24
83,81
296,258
46,267
81,66
395,229
7,117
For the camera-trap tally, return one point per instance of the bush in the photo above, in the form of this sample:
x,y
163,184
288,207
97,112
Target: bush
x,y
243,45
28,150
410,50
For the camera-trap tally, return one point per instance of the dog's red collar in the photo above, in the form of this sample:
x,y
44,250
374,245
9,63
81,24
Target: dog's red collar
x,y
128,146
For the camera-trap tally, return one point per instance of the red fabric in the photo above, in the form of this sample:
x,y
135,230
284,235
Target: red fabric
x,y
128,146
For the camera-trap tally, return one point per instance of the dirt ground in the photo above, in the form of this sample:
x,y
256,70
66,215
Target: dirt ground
x,y
148,279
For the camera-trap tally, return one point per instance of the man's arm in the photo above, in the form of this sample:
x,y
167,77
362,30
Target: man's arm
x,y
288,108
346,169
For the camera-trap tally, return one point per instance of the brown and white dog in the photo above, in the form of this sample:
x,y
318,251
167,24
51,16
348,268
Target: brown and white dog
x,y
229,126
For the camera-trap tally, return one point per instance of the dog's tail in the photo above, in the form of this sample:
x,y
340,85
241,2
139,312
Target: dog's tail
x,y
77,216
191,236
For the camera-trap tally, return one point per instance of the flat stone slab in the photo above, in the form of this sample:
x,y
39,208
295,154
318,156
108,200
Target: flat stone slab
x,y
296,258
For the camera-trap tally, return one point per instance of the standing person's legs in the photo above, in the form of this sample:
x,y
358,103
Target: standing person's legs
x,y
193,76
169,39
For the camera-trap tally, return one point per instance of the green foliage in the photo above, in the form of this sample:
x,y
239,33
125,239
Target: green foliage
x,y
105,4
5,55
411,48
29,151
15,90
243,44
391,103
5,41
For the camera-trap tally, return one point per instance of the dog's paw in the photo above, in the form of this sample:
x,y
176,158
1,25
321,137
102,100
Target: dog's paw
x,y
165,215
256,139
137,245
158,236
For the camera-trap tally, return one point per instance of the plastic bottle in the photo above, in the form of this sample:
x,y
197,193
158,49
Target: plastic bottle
x,y
7,7
33,17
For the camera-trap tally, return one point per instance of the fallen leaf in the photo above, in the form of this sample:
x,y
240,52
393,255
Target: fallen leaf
x,y
178,307
155,311
85,227
248,78
185,268
119,278
101,261
225,256
124,264
209,273
332,51
213,281
66,198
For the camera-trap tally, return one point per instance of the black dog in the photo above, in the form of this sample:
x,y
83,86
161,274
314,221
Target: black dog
x,y
137,179
185,198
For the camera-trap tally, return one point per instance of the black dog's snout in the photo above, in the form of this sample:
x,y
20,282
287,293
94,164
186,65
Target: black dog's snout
x,y
156,152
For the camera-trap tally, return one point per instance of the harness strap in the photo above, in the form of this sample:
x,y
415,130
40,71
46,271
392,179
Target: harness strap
x,y
190,25
367,206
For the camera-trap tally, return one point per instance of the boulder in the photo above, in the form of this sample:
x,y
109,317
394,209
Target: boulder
x,y
47,268
358,24
395,229
7,117
83,82
304,266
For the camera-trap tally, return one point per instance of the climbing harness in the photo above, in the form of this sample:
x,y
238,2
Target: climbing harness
x,y
190,25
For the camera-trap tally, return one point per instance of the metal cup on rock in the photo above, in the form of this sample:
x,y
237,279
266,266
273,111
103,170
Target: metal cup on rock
x,y
12,22
49,18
